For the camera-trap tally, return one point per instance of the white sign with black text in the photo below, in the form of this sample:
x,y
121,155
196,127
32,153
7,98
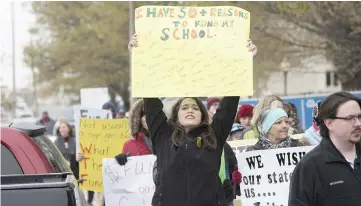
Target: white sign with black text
x,y
266,175
131,184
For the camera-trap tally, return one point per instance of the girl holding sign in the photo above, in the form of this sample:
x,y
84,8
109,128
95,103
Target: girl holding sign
x,y
189,148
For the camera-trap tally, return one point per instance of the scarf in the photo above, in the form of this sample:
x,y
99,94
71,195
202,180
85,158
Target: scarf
x,y
265,143
222,169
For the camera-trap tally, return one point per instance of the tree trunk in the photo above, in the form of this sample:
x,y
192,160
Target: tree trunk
x,y
353,84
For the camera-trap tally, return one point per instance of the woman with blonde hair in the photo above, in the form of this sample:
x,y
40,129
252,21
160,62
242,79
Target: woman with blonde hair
x,y
270,101
295,127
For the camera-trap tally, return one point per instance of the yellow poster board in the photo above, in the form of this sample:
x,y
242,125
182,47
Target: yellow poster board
x,y
192,52
99,138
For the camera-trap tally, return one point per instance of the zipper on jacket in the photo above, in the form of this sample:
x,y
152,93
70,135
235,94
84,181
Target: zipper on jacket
x,y
188,185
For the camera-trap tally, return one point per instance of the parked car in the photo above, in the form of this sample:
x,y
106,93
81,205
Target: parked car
x,y
55,189
32,166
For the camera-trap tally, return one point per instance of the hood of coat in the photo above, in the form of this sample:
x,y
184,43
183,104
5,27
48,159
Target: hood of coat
x,y
134,117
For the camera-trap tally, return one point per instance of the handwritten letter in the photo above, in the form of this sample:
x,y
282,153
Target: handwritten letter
x,y
99,138
131,184
192,51
91,113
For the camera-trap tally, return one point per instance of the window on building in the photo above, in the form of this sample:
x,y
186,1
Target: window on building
x,y
335,79
328,78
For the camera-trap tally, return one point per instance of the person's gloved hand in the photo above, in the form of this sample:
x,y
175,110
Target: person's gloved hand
x,y
122,159
79,157
228,190
134,42
251,47
236,176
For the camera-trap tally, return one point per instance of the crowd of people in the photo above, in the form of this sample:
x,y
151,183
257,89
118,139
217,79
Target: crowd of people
x,y
196,166
193,154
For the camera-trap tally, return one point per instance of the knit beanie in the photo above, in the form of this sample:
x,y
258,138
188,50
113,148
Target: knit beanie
x,y
211,101
111,106
245,110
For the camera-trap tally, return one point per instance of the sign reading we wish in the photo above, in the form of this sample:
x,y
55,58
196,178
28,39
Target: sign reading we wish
x,y
99,138
131,184
267,174
184,50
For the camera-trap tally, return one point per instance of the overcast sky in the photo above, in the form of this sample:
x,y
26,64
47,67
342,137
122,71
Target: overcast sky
x,y
23,21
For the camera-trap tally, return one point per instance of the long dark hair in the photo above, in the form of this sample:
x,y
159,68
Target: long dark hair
x,y
178,135
71,131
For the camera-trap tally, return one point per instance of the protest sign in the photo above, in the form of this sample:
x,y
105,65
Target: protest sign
x,y
83,112
87,97
239,146
267,174
131,184
99,138
191,51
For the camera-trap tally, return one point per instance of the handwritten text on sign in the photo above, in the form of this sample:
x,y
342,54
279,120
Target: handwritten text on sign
x,y
184,50
99,138
91,113
131,184
267,175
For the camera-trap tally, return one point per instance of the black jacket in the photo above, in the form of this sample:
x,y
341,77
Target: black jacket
x,y
68,153
188,174
324,178
232,162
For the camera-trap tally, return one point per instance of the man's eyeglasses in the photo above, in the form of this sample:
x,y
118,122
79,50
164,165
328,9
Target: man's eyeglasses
x,y
351,118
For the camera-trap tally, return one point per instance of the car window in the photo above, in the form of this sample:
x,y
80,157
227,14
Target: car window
x,y
9,164
52,153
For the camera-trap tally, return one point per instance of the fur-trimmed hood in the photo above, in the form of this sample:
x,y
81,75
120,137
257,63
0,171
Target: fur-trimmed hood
x,y
134,117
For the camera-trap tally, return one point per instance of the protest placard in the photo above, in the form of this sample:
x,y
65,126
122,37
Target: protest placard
x,y
191,51
239,146
266,175
99,138
91,113
87,95
131,184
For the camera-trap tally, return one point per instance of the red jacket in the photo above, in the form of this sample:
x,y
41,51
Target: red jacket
x,y
137,146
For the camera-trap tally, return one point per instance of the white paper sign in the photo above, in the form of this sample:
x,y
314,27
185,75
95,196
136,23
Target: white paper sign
x,y
239,146
94,97
82,112
131,184
266,175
